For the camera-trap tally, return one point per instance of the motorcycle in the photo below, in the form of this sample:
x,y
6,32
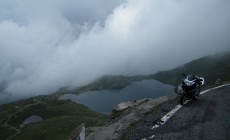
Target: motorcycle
x,y
190,88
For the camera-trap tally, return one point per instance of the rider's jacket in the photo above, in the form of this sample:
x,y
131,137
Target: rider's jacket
x,y
190,82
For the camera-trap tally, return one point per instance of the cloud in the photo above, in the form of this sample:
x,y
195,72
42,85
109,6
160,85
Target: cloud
x,y
52,44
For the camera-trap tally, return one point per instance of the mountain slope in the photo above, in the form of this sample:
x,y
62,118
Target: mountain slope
x,y
60,118
212,68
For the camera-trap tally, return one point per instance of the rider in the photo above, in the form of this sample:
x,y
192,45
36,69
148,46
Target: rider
x,y
195,79
191,82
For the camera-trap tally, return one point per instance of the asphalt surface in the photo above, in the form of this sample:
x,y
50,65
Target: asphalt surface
x,y
208,118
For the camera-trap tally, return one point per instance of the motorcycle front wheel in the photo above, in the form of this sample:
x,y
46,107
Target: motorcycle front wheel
x,y
182,99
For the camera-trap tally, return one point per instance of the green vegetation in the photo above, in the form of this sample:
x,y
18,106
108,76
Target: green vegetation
x,y
105,82
215,69
6,132
61,117
211,68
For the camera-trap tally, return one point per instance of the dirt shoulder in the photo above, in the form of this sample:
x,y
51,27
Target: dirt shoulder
x,y
122,120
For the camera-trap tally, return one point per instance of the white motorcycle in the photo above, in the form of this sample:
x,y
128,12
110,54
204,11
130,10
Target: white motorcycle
x,y
190,88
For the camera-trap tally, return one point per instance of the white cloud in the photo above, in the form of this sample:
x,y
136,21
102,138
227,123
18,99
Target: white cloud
x,y
52,44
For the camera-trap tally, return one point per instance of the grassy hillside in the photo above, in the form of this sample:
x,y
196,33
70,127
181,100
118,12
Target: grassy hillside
x,y
105,82
61,117
211,68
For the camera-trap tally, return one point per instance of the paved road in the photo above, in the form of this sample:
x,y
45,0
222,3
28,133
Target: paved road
x,y
208,118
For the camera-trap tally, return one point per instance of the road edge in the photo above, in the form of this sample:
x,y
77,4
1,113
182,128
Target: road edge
x,y
166,117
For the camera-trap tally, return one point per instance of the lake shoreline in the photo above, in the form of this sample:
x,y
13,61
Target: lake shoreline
x,y
103,101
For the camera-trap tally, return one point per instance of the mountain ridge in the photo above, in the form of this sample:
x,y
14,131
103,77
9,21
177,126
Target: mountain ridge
x,y
212,68
13,114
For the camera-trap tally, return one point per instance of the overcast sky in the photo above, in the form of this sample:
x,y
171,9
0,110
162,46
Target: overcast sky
x,y
45,45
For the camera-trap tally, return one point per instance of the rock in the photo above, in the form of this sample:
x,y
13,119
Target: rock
x,y
123,116
123,105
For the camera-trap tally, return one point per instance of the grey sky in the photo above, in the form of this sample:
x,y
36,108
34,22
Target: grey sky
x,y
56,43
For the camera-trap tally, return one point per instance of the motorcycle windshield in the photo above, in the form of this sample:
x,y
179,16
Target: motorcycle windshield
x,y
188,83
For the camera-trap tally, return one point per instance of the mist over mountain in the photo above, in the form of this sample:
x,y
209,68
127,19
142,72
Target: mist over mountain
x,y
55,43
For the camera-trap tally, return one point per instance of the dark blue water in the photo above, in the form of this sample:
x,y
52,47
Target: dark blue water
x,y
105,100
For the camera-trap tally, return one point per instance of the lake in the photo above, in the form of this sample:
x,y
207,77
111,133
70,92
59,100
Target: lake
x,y
104,101
33,119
